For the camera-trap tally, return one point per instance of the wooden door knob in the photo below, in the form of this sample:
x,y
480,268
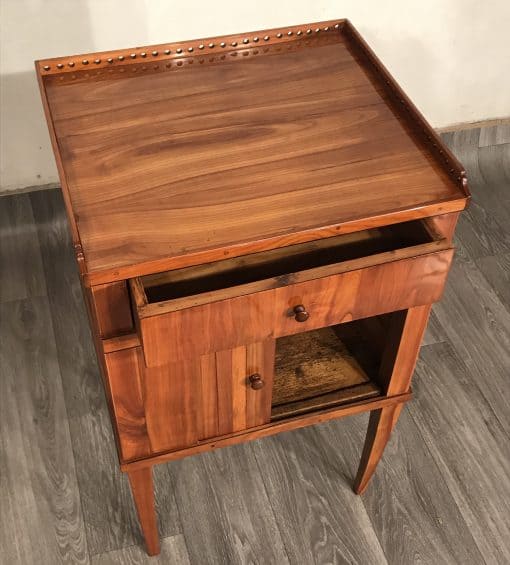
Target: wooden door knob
x,y
256,381
300,313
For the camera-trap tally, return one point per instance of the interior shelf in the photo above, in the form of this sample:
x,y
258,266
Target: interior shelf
x,y
321,369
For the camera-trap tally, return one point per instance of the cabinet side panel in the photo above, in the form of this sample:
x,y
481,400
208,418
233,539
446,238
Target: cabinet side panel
x,y
112,309
405,334
404,285
446,224
125,376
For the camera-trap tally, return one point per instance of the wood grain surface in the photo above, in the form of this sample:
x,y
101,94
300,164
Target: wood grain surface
x,y
162,301
236,499
293,259
176,405
333,399
318,144
295,179
442,486
170,337
41,512
363,293
112,311
109,516
463,460
142,488
127,383
239,406
307,480
313,363
292,422
435,529
21,273
171,404
156,411
173,550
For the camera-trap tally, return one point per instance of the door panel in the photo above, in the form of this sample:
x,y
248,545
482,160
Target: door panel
x,y
176,405
229,403
171,407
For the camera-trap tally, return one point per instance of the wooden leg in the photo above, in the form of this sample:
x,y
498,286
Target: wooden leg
x,y
380,426
403,339
142,488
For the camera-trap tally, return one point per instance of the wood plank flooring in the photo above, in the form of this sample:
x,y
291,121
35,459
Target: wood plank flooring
x,y
441,494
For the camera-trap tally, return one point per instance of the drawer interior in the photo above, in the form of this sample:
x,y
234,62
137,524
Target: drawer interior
x,y
277,264
324,368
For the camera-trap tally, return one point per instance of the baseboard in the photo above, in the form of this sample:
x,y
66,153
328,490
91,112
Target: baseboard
x,y
24,189
473,125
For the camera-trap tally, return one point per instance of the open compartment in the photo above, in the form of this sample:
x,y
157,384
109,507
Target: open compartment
x,y
191,286
328,367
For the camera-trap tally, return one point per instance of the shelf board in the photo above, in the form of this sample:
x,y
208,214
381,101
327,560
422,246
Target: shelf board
x,y
323,401
315,370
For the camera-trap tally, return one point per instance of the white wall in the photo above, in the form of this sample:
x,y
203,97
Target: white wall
x,y
451,56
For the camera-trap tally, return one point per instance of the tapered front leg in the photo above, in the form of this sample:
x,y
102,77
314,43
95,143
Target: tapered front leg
x,y
142,487
403,338
380,426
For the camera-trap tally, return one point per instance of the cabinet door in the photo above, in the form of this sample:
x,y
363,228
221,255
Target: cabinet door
x,y
230,401
176,405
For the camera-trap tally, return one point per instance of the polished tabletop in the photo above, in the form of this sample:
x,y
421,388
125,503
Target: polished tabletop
x,y
250,147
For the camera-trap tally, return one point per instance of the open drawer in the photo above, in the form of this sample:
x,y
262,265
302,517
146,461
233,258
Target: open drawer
x,y
212,307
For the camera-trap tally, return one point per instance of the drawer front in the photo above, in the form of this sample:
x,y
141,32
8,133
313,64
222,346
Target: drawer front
x,y
361,293
397,285
185,334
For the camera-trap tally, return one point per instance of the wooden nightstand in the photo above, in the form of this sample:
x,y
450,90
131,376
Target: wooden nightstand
x,y
261,223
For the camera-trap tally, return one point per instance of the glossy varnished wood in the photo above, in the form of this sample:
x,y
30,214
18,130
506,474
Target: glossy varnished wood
x,y
293,487
163,305
404,335
358,293
142,488
250,152
175,405
111,521
363,293
126,379
380,426
318,144
183,288
111,306
291,423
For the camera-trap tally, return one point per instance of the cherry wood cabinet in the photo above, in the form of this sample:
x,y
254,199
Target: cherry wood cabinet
x,y
261,223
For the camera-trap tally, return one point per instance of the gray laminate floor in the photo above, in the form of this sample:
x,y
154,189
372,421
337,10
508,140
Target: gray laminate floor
x,y
441,495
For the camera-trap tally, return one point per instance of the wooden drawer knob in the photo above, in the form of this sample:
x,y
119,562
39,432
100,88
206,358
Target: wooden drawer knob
x,y
256,381
300,313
